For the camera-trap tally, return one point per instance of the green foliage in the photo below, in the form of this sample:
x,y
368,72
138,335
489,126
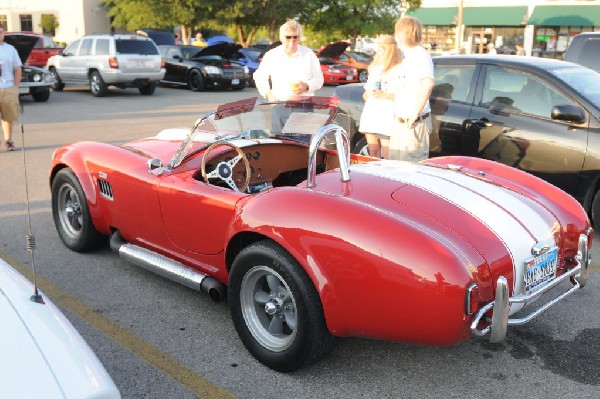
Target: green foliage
x,y
324,20
49,23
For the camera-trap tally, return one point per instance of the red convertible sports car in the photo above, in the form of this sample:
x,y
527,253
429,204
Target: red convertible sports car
x,y
310,243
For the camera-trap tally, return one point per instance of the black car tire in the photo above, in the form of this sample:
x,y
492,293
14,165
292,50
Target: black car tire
x,y
72,215
266,278
41,96
595,211
148,90
361,147
363,76
97,86
196,81
58,85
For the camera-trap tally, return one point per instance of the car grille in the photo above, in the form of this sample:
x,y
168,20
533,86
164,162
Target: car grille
x,y
233,73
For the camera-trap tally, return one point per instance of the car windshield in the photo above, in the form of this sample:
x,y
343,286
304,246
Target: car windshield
x,y
190,52
362,57
252,55
248,119
583,80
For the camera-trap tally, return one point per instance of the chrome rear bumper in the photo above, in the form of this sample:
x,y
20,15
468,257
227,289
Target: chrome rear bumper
x,y
502,302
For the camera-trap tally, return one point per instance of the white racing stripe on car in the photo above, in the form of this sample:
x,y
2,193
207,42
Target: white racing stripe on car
x,y
486,202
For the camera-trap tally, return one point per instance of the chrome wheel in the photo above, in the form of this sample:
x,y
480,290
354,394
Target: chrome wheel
x,y
69,211
97,85
268,308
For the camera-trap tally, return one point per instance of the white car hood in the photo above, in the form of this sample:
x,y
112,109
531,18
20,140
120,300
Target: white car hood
x,y
41,353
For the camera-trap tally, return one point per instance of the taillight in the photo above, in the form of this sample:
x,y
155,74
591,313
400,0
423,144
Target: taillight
x,y
162,62
113,63
472,299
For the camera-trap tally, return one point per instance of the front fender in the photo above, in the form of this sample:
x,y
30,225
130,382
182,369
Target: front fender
x,y
77,157
381,275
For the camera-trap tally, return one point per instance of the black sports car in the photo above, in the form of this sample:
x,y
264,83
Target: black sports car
x,y
204,68
35,81
535,114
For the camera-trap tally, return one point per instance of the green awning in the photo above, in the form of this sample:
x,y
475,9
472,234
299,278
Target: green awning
x,y
495,16
565,16
444,16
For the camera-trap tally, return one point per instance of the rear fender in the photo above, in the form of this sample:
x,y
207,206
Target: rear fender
x,y
378,275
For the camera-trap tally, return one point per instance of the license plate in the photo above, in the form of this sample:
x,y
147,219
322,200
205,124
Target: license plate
x,y
23,90
349,77
235,81
539,269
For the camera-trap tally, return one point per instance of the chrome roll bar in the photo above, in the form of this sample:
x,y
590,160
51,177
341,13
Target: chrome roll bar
x,y
502,302
342,146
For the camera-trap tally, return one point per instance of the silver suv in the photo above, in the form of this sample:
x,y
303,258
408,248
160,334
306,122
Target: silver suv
x,y
108,60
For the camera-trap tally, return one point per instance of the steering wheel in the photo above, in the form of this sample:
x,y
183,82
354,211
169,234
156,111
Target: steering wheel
x,y
224,169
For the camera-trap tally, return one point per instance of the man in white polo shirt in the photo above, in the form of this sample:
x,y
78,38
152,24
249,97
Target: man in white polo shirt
x,y
294,69
410,134
10,79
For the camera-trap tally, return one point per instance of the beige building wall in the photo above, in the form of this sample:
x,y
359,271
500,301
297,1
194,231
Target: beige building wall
x,y
75,17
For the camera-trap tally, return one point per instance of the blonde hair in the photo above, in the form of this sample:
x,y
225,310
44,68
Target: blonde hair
x,y
412,29
389,54
290,25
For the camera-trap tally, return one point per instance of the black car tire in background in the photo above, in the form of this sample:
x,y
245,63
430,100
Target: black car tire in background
x,y
41,96
196,80
58,85
97,86
363,76
148,90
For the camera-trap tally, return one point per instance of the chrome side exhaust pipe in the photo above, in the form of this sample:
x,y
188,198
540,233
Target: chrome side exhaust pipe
x,y
168,268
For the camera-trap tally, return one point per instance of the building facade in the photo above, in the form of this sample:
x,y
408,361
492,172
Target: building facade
x,y
545,28
75,18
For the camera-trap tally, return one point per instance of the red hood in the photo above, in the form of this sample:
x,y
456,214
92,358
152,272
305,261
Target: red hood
x,y
24,43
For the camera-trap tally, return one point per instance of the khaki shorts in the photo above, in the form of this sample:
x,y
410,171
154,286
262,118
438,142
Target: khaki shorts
x,y
9,104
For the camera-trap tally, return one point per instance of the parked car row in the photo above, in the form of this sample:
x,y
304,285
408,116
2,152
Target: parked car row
x,y
126,61
538,115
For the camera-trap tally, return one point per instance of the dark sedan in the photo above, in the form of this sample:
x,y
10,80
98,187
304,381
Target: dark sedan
x,y
538,115
200,69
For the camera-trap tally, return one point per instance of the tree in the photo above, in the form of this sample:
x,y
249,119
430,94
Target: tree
x,y
248,16
158,14
350,18
49,24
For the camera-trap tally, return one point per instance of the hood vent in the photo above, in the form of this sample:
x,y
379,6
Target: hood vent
x,y
105,189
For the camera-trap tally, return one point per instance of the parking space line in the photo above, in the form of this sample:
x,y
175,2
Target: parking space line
x,y
171,367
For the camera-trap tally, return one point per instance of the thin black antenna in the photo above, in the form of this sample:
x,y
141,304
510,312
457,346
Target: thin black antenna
x,y
36,297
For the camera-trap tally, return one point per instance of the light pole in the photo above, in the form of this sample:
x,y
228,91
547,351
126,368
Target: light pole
x,y
459,23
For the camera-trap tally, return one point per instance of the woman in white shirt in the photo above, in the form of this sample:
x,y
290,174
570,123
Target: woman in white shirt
x,y
377,118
